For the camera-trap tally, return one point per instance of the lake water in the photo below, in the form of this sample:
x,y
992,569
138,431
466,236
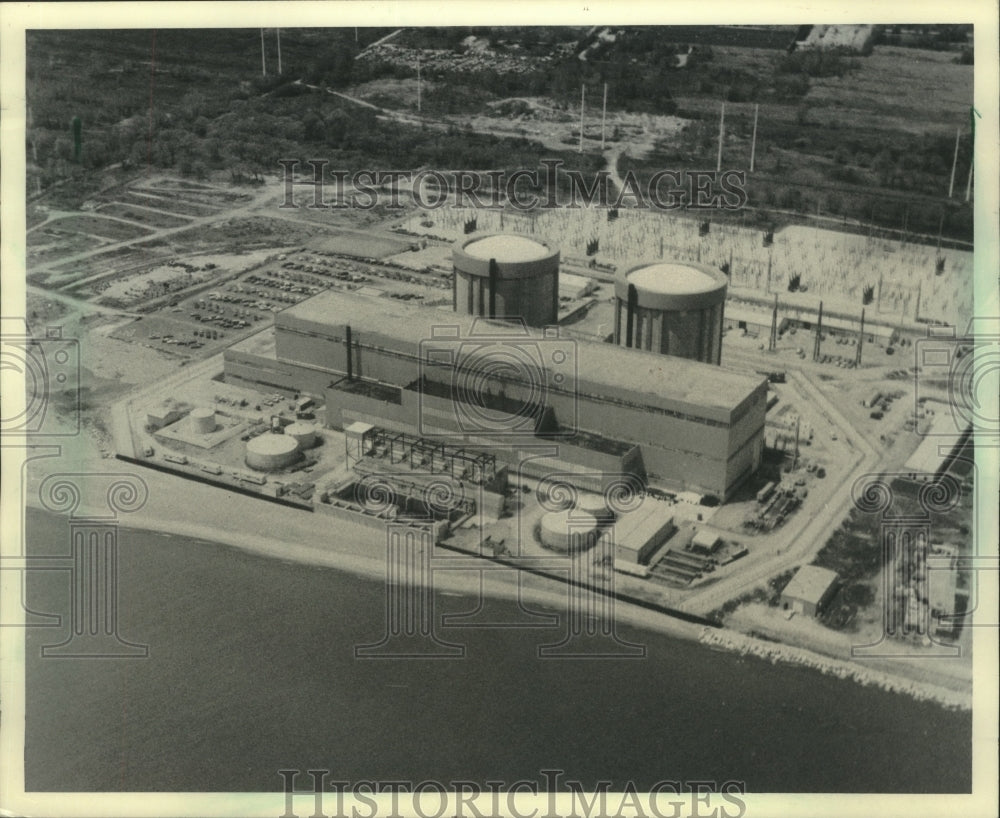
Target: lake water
x,y
251,669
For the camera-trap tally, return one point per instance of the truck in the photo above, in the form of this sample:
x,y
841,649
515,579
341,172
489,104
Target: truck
x,y
765,492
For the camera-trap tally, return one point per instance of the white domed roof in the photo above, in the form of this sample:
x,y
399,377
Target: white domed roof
x,y
672,279
507,247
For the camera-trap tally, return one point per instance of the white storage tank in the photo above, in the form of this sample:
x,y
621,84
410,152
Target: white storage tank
x,y
595,505
269,452
303,433
202,420
569,530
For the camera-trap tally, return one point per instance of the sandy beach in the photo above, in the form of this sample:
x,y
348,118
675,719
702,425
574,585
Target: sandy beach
x,y
288,534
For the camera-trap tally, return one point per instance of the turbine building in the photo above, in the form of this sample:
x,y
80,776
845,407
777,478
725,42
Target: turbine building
x,y
545,403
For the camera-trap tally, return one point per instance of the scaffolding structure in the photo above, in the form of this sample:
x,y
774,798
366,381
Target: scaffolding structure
x,y
418,453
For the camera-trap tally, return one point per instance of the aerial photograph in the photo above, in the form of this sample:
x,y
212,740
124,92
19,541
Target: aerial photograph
x,y
502,411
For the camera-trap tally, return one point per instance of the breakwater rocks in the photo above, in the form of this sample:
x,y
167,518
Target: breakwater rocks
x,y
775,652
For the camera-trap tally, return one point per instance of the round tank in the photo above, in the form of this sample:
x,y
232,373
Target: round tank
x,y
672,308
594,505
507,275
569,530
268,452
202,420
304,434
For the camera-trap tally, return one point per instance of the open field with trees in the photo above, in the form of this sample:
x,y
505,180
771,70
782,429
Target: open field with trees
x,y
867,137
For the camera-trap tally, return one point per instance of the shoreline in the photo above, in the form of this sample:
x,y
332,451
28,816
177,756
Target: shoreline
x,y
517,585
775,652
503,583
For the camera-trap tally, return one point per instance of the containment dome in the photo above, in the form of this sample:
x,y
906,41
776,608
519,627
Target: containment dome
x,y
672,308
508,276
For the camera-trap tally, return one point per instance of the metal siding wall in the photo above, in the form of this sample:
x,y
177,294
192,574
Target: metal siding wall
x,y
750,424
338,402
685,471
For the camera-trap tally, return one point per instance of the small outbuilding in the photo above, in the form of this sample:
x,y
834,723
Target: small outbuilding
x,y
639,533
162,415
705,541
809,590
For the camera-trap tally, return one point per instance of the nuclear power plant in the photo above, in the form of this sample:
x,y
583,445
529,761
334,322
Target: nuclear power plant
x,y
601,409
671,308
507,275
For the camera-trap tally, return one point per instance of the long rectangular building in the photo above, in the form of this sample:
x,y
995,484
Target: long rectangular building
x,y
580,406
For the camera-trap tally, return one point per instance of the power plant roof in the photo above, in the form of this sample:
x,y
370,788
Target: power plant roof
x,y
673,279
662,379
507,247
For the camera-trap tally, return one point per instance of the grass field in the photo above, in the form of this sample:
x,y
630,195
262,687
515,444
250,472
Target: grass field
x,y
170,204
105,228
141,215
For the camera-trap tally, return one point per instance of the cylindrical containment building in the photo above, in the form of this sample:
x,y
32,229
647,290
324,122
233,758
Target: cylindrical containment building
x,y
507,275
569,530
303,433
202,420
673,308
269,452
